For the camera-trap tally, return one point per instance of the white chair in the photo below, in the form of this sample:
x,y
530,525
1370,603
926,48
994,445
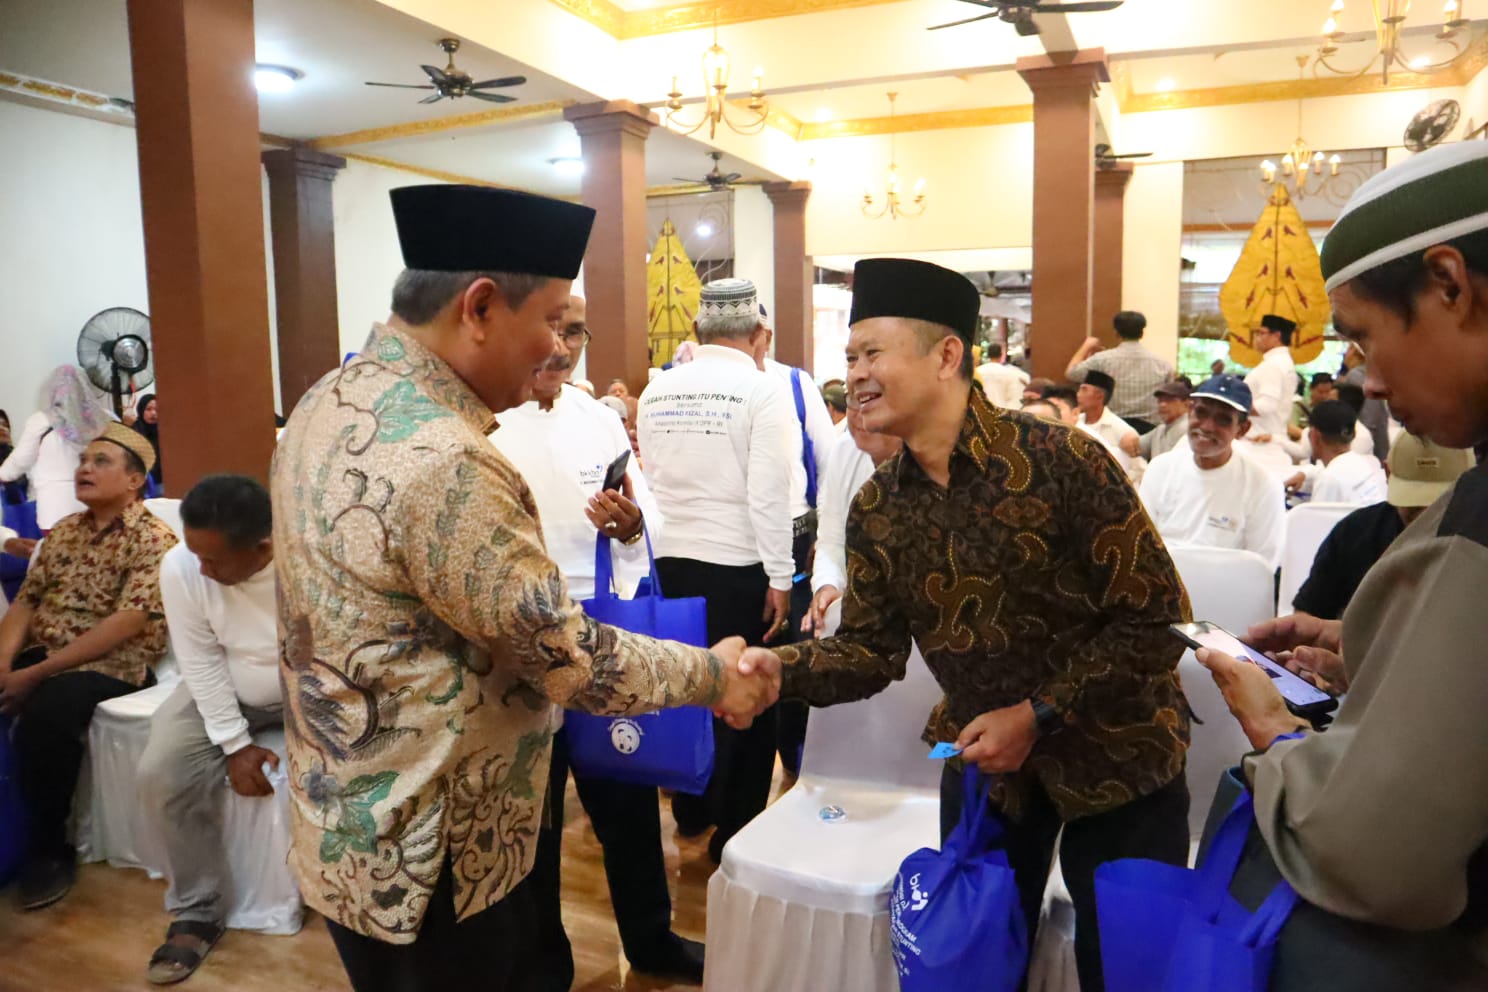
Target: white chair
x,y
1307,526
1233,589
800,903
112,826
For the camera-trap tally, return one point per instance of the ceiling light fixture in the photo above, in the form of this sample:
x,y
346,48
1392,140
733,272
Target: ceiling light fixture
x,y
1389,25
1301,165
891,202
823,115
568,165
704,229
1164,85
275,78
716,109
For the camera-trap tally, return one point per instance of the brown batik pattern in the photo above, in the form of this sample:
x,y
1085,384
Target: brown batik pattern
x,y
426,637
1036,574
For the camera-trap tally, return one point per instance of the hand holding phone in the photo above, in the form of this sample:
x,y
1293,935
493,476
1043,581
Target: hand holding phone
x,y
1302,697
614,476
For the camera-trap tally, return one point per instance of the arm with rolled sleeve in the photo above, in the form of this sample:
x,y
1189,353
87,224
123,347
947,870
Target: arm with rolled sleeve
x,y
502,592
1134,586
200,656
774,446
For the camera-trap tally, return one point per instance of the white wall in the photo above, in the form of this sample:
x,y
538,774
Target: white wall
x,y
754,242
72,243
367,255
1152,252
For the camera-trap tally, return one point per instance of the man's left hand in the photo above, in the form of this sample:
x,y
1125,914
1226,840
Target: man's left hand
x,y
1000,740
618,509
1252,697
16,687
1131,444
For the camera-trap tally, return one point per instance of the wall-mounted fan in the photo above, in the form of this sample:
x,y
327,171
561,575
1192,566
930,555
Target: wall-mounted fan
x,y
114,349
1432,124
454,83
1019,13
717,180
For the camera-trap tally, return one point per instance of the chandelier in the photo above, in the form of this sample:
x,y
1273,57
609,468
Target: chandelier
x,y
716,108
892,205
1389,25
1303,170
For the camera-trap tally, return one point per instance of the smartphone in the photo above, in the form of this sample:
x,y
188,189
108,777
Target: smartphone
x,y
615,475
1302,697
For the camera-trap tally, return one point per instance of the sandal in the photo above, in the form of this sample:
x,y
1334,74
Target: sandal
x,y
173,962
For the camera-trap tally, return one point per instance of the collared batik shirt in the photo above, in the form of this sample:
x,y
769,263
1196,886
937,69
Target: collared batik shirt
x,y
426,638
82,576
1036,574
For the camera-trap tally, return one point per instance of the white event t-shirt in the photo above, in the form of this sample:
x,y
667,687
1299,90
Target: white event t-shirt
x,y
1238,505
848,467
1350,478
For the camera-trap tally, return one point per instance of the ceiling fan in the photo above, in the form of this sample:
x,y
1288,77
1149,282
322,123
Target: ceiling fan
x,y
1019,13
1105,158
455,83
716,180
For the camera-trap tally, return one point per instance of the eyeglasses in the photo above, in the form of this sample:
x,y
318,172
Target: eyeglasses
x,y
573,333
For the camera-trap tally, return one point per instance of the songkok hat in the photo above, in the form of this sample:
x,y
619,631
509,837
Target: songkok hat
x,y
1230,390
1429,199
903,287
1100,380
1421,471
729,298
1279,324
1173,390
451,228
117,433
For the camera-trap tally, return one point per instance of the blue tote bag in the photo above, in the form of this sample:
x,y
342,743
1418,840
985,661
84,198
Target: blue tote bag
x,y
955,920
672,749
1170,929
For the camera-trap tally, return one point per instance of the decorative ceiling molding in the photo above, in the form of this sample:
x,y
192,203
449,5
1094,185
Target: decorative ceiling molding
x,y
418,129
445,177
938,121
1367,83
624,24
69,99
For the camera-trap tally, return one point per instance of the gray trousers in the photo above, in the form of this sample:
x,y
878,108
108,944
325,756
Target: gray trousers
x,y
182,780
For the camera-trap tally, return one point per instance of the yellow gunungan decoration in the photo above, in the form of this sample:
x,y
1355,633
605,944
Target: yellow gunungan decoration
x,y
673,291
1278,272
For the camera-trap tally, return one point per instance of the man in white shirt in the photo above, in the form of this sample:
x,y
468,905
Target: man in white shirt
x,y
562,441
719,441
1137,370
1272,385
1342,475
1172,414
1100,421
1208,493
853,460
218,591
1003,383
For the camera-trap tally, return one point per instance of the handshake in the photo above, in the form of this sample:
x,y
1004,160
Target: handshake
x,y
751,682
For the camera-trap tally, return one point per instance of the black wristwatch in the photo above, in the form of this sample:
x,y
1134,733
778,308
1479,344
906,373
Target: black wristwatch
x,y
1046,719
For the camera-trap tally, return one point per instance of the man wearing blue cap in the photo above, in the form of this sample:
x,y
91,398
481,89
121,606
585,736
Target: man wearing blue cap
x,y
428,638
1015,553
1208,493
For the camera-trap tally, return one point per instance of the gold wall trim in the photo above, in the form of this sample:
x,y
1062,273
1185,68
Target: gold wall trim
x,y
624,24
1460,74
441,175
61,96
416,129
938,121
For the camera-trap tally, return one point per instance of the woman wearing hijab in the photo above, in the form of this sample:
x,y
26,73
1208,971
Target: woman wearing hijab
x,y
52,441
147,423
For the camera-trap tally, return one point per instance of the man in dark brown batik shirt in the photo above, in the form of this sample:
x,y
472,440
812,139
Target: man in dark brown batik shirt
x,y
1016,554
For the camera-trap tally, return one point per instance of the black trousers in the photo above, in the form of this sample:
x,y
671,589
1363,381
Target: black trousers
x,y
743,760
50,740
491,951
1154,826
627,821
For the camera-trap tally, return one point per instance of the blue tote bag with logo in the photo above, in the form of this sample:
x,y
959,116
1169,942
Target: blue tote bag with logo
x,y
1170,929
955,923
672,749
